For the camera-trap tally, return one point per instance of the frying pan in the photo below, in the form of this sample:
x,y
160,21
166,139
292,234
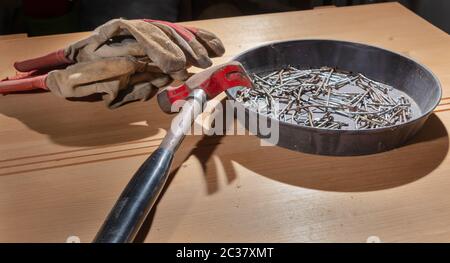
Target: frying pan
x,y
376,63
381,65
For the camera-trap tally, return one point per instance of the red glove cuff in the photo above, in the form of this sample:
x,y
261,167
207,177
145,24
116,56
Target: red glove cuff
x,y
19,83
49,61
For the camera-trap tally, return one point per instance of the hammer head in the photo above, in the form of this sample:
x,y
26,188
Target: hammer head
x,y
213,81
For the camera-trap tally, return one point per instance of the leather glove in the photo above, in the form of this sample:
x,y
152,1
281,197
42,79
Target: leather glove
x,y
123,59
169,46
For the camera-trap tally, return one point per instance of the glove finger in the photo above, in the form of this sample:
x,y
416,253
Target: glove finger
x,y
211,42
180,75
142,86
119,49
181,30
157,45
156,79
196,54
141,91
107,75
99,36
126,47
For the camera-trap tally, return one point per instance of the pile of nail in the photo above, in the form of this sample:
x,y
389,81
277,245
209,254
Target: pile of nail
x,y
326,98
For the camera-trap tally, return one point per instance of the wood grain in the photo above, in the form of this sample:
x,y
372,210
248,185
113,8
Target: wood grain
x,y
13,36
63,164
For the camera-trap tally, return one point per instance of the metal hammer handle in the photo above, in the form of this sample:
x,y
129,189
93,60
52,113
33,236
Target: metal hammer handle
x,y
141,193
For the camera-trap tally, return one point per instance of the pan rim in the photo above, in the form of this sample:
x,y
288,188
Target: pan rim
x,y
373,130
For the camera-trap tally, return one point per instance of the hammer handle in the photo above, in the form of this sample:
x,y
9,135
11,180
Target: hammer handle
x,y
137,199
141,193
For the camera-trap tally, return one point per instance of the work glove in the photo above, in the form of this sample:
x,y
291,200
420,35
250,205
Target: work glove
x,y
124,60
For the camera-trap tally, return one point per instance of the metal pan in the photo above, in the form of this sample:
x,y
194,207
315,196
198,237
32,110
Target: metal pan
x,y
376,63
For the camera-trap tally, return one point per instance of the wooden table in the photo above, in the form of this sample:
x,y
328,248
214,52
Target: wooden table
x,y
63,164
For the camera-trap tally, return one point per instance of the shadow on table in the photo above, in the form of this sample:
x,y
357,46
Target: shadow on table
x,y
83,123
390,169
203,150
397,167
393,168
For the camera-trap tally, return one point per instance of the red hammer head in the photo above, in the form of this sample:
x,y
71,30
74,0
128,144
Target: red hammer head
x,y
213,81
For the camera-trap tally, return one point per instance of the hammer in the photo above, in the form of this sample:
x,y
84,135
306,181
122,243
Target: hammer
x,y
139,196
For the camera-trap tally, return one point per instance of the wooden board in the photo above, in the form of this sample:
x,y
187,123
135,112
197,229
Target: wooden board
x,y
63,164
13,36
